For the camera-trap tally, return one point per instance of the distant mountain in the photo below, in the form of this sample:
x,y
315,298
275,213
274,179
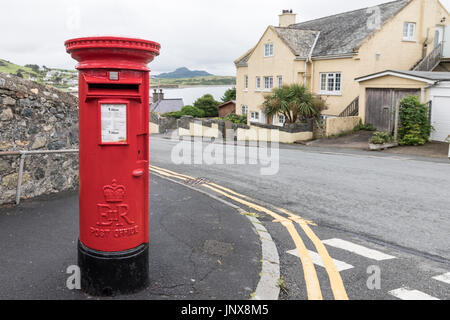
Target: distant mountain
x,y
183,73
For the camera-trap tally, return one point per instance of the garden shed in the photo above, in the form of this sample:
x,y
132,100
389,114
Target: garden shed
x,y
381,92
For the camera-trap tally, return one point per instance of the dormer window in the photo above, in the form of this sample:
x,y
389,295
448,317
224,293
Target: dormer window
x,y
268,50
409,31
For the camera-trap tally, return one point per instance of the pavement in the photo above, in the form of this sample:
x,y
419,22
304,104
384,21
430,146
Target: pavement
x,y
200,248
359,140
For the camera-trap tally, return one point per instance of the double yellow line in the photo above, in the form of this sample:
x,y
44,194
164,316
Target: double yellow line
x,y
312,281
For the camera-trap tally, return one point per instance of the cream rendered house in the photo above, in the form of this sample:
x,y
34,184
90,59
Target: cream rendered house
x,y
328,54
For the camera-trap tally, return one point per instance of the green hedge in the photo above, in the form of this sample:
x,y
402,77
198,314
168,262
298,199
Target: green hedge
x,y
414,128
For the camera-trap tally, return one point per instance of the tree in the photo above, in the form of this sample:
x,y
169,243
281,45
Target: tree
x,y
229,95
208,104
295,102
33,67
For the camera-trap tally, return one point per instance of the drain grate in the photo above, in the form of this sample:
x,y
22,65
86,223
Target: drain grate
x,y
197,182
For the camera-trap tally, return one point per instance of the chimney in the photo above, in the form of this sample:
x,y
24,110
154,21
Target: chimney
x,y
287,18
157,96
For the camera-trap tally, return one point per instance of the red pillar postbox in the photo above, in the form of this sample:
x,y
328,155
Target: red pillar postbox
x,y
114,162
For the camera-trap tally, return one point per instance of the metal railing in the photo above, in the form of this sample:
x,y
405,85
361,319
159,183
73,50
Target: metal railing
x,y
23,155
431,61
352,110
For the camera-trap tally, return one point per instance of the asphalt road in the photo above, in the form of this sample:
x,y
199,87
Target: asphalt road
x,y
397,205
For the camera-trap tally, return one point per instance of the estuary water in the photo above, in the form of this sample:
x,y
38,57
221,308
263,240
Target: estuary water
x,y
190,94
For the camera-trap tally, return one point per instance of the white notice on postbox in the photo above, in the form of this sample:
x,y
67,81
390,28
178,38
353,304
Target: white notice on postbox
x,y
114,123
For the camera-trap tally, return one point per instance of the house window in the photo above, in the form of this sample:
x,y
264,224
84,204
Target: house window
x,y
280,81
246,83
268,83
409,31
330,83
268,50
258,83
244,110
254,116
279,120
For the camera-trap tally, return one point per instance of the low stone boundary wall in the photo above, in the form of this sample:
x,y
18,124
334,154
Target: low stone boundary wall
x,y
160,124
335,126
269,133
191,127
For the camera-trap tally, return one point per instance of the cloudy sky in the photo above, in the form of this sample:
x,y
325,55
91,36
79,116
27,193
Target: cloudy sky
x,y
199,34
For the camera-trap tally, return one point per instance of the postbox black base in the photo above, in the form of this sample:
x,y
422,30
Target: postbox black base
x,y
113,273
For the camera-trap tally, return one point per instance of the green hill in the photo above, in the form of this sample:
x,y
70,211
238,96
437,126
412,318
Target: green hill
x,y
11,68
183,73
58,78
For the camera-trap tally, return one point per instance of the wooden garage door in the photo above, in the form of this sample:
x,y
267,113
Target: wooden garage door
x,y
380,105
440,118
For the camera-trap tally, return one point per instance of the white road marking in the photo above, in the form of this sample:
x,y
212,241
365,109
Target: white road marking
x,y
358,249
408,294
443,278
317,259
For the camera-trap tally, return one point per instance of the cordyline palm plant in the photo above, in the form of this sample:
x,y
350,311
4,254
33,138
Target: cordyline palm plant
x,y
295,102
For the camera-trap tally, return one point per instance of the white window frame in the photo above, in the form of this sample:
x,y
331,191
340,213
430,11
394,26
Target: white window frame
x,y
409,31
268,83
279,120
330,83
245,83
268,50
258,83
244,109
280,81
254,116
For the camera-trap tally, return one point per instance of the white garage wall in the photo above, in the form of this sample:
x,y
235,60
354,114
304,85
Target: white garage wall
x,y
440,113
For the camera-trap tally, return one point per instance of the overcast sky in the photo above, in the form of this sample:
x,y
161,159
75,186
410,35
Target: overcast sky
x,y
198,34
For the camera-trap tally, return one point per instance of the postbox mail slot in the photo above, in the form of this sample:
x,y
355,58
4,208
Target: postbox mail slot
x,y
113,89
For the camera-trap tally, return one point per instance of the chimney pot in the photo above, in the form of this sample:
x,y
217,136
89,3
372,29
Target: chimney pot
x,y
287,18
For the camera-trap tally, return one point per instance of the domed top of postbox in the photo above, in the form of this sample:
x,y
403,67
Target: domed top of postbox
x,y
112,52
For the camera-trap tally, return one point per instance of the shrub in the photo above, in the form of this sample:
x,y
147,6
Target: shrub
x,y
236,118
414,127
295,102
193,111
186,111
381,138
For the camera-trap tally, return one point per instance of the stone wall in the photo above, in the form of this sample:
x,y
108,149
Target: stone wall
x,y
290,133
36,117
160,124
215,128
189,126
